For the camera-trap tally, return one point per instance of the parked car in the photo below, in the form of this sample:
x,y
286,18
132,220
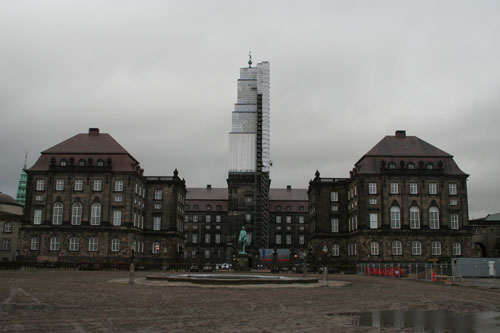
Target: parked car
x,y
207,268
226,266
194,268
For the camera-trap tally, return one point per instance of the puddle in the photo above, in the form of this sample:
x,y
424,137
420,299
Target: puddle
x,y
427,321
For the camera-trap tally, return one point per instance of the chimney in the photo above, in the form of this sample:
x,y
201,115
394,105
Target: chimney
x,y
289,187
93,131
209,187
400,134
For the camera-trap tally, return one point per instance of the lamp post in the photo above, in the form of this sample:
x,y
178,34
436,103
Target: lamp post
x,y
325,251
165,260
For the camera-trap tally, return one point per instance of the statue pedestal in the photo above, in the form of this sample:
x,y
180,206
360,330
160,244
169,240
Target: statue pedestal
x,y
241,264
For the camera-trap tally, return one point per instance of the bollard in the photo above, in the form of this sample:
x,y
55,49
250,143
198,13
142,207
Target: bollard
x,y
131,274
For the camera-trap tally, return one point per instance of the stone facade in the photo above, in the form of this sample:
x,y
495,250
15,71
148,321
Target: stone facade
x,y
405,201
11,216
486,236
95,205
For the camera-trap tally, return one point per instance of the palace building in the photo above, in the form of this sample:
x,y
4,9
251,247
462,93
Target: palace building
x,y
88,201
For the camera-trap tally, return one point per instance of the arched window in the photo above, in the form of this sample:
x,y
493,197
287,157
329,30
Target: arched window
x,y
416,248
397,248
63,162
457,249
55,243
58,213
95,216
335,250
93,244
218,207
195,207
374,249
288,208
100,163
115,245
208,207
429,166
301,208
76,214
414,218
278,208
395,217
74,244
436,248
81,162
433,218
411,165
392,165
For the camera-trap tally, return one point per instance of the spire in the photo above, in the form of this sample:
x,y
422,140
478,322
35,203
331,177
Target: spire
x,y
23,181
250,59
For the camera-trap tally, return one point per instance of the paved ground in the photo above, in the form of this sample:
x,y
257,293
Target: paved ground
x,y
61,301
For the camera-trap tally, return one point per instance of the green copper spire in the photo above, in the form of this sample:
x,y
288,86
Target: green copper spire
x,y
23,180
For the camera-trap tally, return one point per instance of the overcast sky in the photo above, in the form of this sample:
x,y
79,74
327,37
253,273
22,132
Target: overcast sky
x,y
160,77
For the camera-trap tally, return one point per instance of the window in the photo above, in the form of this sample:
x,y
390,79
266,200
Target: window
x,y
39,197
194,238
416,248
397,248
158,194
301,239
217,218
392,165
76,214
373,221
288,239
452,189
58,213
334,225
433,218
208,218
432,188
100,163
195,218
93,244
413,188
288,219
59,184
97,185
78,184
301,219
207,254
7,227
301,208
436,248
81,162
453,202
278,208
40,184
95,215
118,198
334,196
395,218
414,218
454,221
278,219
394,188
429,166
207,238
155,248
157,205
217,238
411,165
74,244
6,245
278,239
37,216
374,249
117,217
157,223
115,245
248,200
55,243
35,244
372,201
334,208
335,250
248,218
457,249
118,185
372,188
